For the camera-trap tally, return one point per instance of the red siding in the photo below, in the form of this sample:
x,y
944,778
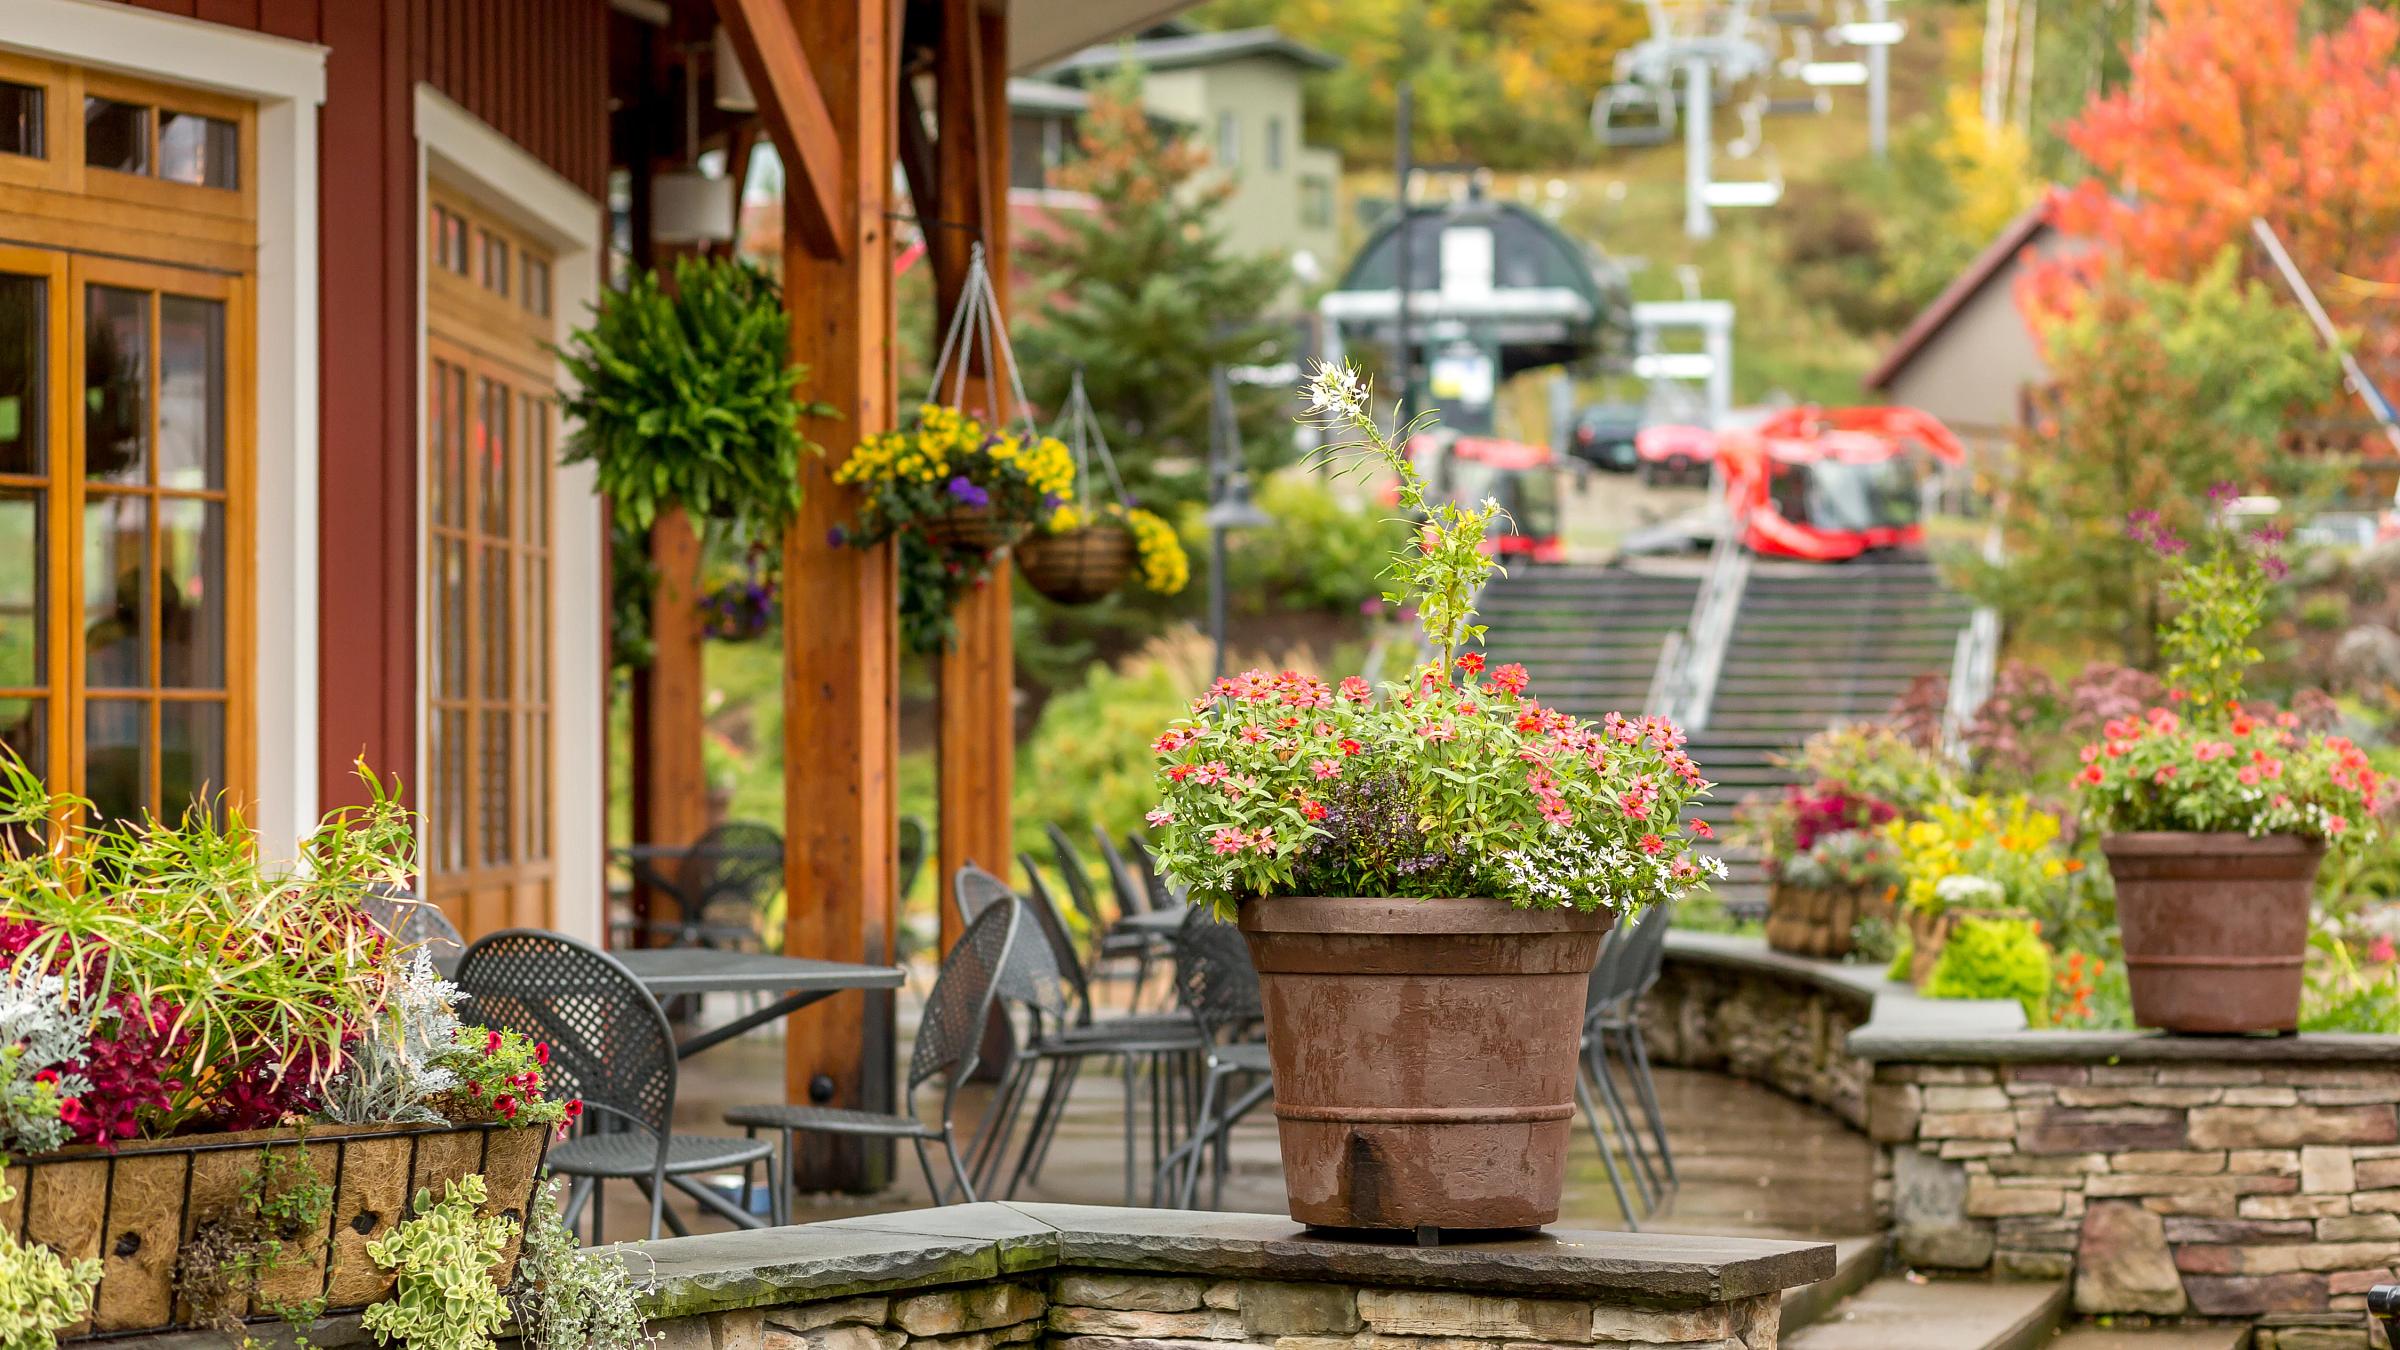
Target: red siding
x,y
536,71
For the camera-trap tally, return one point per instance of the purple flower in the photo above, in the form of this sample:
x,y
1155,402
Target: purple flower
x,y
836,537
2275,568
2223,494
1051,501
2267,536
966,492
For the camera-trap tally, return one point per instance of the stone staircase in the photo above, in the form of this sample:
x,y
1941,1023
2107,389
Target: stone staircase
x,y
1813,646
1590,635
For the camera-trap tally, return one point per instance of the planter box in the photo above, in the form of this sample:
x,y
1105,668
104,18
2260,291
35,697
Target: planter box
x,y
1817,921
135,1206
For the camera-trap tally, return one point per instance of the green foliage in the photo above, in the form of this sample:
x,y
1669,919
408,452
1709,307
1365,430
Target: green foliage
x,y
1144,298
566,1298
1091,748
42,1030
267,971
2164,389
218,1270
1318,555
444,1297
2220,599
1994,958
2325,613
684,396
501,1077
2345,993
41,1292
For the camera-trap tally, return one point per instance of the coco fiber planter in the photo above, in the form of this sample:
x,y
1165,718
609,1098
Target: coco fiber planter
x,y
2215,927
1077,566
135,1207
1425,1056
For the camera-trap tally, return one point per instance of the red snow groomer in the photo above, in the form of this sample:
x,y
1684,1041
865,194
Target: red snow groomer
x,y
1828,484
1522,478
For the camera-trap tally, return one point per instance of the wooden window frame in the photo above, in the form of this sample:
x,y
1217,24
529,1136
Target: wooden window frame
x,y
488,338
67,491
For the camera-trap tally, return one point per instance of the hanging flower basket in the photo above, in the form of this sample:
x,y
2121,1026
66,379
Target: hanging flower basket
x,y
972,529
1078,565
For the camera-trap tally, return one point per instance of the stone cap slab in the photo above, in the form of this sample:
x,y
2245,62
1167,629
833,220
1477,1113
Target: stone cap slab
x,y
969,1243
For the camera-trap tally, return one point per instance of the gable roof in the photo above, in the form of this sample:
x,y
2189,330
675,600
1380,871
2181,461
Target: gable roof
x,y
1988,267
1196,49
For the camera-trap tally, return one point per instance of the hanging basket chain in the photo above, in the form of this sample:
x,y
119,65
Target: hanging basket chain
x,y
977,321
1079,427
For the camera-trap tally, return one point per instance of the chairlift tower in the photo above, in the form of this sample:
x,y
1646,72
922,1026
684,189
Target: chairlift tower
x,y
1702,43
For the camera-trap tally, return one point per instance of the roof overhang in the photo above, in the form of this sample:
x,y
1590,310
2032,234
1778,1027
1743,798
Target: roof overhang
x,y
1043,32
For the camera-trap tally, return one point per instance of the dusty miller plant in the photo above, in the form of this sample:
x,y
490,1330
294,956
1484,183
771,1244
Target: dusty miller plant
x,y
396,1072
41,1030
566,1298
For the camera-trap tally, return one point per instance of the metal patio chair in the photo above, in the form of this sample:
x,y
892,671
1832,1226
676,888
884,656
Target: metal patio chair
x,y
949,1036
610,1045
1105,946
1220,987
412,922
1611,1028
1133,897
1621,1023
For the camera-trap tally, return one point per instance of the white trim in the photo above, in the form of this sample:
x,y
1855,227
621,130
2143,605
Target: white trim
x,y
165,47
287,81
468,157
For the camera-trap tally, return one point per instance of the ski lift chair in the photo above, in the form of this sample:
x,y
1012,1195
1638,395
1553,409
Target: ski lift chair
x,y
1630,116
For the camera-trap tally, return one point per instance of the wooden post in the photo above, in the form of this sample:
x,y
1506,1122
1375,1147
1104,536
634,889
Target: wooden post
x,y
841,690
977,736
670,778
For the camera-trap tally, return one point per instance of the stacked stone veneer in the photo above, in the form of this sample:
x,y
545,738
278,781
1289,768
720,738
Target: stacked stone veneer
x,y
1064,1277
2238,1178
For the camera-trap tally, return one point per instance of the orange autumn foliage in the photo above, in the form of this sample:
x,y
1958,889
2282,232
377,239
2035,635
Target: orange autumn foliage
x,y
2233,111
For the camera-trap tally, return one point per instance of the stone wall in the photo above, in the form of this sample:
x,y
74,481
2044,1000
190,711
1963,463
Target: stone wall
x,y
2249,1178
1066,1277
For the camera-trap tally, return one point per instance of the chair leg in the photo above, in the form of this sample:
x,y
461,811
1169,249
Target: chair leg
x,y
1645,1085
658,1199
1053,1101
1041,1154
958,1169
1197,1144
1608,1160
933,1185
783,1188
1127,1062
1621,1122
1613,1050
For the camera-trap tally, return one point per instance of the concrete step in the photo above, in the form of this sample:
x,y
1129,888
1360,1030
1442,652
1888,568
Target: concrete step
x,y
2210,1337
1857,1261
1906,1312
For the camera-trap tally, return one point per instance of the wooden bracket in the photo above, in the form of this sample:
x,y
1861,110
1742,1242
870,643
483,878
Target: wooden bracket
x,y
794,111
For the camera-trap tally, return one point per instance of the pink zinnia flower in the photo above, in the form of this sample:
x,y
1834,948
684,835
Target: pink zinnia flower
x,y
1158,816
1350,747
1512,677
1472,663
1438,731
1326,768
1653,845
1227,840
1357,690
1212,772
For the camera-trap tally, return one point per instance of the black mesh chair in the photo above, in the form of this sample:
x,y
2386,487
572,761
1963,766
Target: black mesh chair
x,y
413,923
949,1036
1612,1042
1595,1088
1220,987
609,1045
1134,897
1062,1035
1106,946
1645,957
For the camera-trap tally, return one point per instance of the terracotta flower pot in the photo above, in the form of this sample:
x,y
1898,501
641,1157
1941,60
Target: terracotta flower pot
x,y
1425,1056
1077,566
2215,927
136,1206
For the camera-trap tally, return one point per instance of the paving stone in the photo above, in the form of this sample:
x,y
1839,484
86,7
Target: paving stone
x,y
2272,1161
844,1337
1959,1246
1892,1112
1663,1328
1205,1324
1895,1314
2134,1183
2181,1229
2025,1265
2261,1096
2374,1174
2166,1160
2248,1295
2282,1127
1130,1293
1275,1308
1942,1099
1422,1312
1967,1125
2062,1129
2298,1206
2327,1169
2048,1164
2138,1095
2358,1227
2122,1264
1986,1200
873,1311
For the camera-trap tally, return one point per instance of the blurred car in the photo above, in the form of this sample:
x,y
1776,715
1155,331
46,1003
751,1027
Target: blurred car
x,y
1675,454
1604,435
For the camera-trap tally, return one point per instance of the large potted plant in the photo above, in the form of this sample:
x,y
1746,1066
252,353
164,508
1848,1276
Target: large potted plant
x,y
2217,812
221,1083
1424,873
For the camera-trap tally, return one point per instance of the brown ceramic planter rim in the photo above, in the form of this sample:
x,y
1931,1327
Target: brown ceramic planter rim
x,y
1376,915
2184,843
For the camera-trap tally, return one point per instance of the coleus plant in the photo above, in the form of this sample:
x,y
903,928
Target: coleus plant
x,y
1458,782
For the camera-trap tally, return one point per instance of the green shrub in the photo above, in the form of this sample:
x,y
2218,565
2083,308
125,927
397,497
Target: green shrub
x,y
1994,958
1320,554
1089,759
2325,612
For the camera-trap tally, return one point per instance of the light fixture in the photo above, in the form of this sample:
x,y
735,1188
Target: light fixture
x,y
687,205
1877,33
733,82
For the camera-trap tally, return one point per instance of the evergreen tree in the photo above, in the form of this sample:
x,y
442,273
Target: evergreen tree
x,y
1141,294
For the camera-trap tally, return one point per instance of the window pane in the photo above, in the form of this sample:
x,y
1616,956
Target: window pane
x,y
24,364
191,594
450,790
191,392
537,787
537,287
450,449
22,579
191,754
25,731
116,760
450,620
492,461
196,149
492,564
492,795
495,263
20,119
116,135
115,592
116,385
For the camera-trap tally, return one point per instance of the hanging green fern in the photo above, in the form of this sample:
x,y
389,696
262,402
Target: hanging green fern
x,y
685,396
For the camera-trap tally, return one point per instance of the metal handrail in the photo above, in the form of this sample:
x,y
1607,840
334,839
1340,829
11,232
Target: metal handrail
x,y
1714,611
1665,677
